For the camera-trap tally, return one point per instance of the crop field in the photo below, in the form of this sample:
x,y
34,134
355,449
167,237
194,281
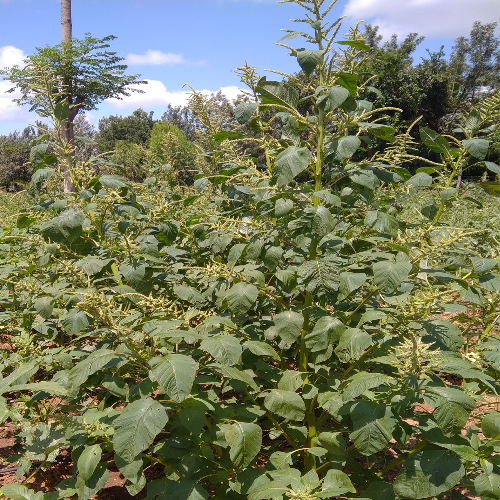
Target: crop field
x,y
300,301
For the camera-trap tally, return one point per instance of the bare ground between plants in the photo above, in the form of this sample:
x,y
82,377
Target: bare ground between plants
x,y
48,479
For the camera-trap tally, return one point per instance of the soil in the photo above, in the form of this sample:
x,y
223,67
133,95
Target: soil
x,y
48,479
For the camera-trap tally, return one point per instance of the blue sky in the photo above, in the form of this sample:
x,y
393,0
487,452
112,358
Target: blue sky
x,y
200,42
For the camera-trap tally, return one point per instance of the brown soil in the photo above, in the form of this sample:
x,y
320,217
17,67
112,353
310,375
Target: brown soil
x,y
48,479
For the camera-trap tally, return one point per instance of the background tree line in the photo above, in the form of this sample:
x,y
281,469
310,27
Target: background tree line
x,y
438,90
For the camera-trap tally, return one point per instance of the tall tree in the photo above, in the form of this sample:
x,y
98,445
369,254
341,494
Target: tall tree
x,y
475,62
67,34
82,73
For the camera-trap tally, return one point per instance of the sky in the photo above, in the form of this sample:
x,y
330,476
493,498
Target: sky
x,y
171,43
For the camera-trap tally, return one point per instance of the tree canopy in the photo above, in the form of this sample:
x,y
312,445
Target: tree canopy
x,y
92,74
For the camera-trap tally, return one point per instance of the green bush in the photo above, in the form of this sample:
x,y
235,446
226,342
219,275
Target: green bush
x,y
14,163
169,146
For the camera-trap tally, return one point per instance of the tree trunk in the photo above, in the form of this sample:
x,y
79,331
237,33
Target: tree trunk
x,y
67,129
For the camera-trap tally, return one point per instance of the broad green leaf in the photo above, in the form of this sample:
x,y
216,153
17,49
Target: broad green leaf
x,y
137,426
272,256
288,326
336,483
37,179
241,297
20,492
44,386
444,333
473,121
167,232
291,34
373,425
278,93
234,373
87,488
226,349
492,167
353,342
113,182
185,489
88,461
320,276
455,395
272,489
261,349
434,141
131,470
326,331
487,486
451,418
332,98
76,321
65,228
419,180
365,178
384,132
309,60
235,253
244,111
333,442
482,265
323,222
457,443
98,360
346,147
20,375
428,473
193,419
361,382
245,442
447,194
62,110
282,207
37,153
478,148
44,306
389,275
490,425
291,380
290,163
189,294
138,276
382,222
348,81
90,265
175,373
350,282
490,282
356,44
378,490
286,404
4,409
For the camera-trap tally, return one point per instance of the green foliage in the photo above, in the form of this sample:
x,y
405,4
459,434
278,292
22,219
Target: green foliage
x,y
273,333
131,158
133,129
91,74
14,163
169,146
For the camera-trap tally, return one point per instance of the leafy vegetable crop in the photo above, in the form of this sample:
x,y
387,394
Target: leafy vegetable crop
x,y
276,334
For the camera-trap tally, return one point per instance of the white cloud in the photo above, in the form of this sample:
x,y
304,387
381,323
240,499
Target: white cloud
x,y
158,58
156,94
90,117
9,110
11,56
431,18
